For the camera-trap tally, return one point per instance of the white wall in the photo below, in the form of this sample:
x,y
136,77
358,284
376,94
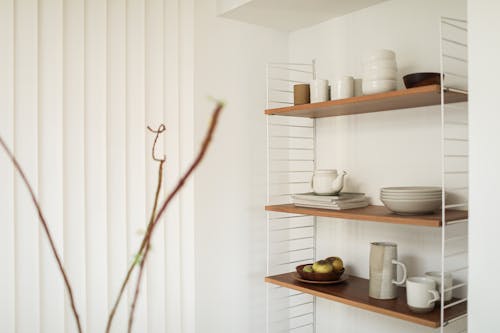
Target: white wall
x,y
380,149
484,68
230,187
79,83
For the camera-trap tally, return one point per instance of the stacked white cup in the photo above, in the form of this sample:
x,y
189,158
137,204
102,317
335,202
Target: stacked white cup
x,y
379,72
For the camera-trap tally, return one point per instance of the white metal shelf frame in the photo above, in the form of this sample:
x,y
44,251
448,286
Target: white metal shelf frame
x,y
291,238
454,164
298,137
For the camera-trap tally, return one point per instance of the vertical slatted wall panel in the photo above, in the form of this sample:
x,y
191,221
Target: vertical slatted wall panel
x,y
7,269
117,157
74,156
25,147
50,160
172,138
79,82
96,163
154,116
136,144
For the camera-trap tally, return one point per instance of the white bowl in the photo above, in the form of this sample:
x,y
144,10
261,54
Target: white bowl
x,y
409,207
411,196
411,189
378,86
384,63
379,54
380,74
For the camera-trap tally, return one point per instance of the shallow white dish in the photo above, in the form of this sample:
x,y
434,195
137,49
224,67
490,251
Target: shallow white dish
x,y
378,86
379,54
411,189
375,65
409,207
380,74
411,196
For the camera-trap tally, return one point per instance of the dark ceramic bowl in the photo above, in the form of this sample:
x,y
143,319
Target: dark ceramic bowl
x,y
421,79
333,276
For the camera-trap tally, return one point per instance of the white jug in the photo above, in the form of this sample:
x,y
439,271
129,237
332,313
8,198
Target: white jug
x,y
327,182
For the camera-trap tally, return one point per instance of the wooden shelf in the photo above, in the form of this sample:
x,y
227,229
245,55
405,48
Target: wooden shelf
x,y
373,214
393,100
354,292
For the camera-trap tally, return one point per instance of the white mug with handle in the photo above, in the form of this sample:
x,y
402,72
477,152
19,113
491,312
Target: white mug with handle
x,y
421,294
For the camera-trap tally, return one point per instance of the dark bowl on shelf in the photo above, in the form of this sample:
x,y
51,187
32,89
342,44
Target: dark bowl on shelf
x,y
421,79
332,276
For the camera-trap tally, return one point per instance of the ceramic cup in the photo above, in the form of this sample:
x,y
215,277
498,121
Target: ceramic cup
x,y
448,282
343,88
421,294
301,94
319,90
383,270
358,87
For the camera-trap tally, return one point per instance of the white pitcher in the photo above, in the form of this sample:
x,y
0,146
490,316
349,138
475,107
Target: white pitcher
x,y
327,182
383,272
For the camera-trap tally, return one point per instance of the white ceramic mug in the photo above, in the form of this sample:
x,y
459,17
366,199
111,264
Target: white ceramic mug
x,y
343,87
421,294
319,90
448,282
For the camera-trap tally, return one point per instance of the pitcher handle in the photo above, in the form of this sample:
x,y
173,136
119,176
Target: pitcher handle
x,y
435,294
403,267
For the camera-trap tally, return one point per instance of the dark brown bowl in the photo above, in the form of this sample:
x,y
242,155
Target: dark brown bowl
x,y
421,79
333,276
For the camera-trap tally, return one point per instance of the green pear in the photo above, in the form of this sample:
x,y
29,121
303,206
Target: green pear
x,y
322,266
307,269
336,262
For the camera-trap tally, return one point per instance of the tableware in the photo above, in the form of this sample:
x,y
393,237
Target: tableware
x,y
342,88
319,90
375,55
412,207
380,74
421,79
421,294
378,86
380,64
340,280
411,189
327,182
358,87
383,271
301,94
411,195
313,276
448,282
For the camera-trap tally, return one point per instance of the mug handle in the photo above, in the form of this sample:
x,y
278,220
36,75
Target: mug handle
x,y
403,267
435,294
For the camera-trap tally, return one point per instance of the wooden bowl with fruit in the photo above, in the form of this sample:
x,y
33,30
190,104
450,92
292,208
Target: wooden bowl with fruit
x,y
329,269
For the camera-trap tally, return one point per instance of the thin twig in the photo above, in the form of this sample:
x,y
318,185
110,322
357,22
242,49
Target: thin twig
x,y
138,255
178,187
46,230
150,224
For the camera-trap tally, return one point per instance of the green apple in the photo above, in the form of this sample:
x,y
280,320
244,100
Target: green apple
x,y
307,269
322,266
336,262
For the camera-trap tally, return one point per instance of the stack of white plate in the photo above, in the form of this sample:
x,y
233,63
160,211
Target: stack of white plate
x,y
379,72
412,200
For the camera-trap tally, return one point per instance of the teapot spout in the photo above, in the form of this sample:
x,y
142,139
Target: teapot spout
x,y
338,183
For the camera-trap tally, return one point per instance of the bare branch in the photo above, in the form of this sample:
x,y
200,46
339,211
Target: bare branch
x,y
46,230
178,187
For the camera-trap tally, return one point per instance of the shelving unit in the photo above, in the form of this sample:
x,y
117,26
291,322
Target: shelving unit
x,y
373,214
292,235
354,292
392,100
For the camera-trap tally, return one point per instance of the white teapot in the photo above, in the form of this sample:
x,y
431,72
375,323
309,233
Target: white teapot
x,y
327,182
